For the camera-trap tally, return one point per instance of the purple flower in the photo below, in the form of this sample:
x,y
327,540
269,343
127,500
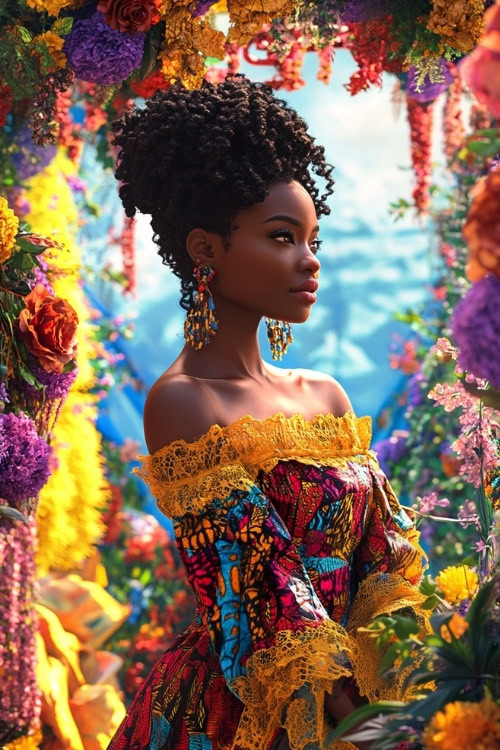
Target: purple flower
x,y
476,328
24,458
359,11
391,449
415,397
4,395
56,384
428,90
40,277
100,54
202,7
29,159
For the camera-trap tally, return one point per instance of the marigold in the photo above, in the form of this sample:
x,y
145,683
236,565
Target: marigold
x,y
464,724
457,582
55,44
52,7
9,224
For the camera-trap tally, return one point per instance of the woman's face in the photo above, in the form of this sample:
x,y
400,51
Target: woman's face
x,y
272,251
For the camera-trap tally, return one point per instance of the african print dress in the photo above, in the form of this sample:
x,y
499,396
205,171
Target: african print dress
x,y
292,539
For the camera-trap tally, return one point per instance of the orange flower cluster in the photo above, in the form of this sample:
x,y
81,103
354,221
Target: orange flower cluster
x,y
482,228
458,23
48,328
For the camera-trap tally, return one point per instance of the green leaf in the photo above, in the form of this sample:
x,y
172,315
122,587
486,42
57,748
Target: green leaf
x,y
427,587
151,48
25,34
28,247
63,26
390,656
404,627
12,513
469,560
26,374
430,603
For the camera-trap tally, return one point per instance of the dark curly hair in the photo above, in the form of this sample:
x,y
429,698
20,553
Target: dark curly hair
x,y
197,158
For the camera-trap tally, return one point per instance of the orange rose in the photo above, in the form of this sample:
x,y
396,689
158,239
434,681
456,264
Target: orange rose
x,y
48,327
130,15
482,228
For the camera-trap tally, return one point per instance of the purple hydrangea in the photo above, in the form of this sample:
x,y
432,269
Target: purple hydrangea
x,y
28,159
391,449
476,328
24,458
57,384
428,90
202,7
40,277
100,54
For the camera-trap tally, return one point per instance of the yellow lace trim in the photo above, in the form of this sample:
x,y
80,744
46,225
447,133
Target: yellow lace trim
x,y
315,656
381,595
186,476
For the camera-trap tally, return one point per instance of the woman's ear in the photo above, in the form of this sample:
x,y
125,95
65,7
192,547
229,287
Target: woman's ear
x,y
203,246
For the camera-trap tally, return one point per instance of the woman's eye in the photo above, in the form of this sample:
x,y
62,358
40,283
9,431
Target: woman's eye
x,y
283,233
315,245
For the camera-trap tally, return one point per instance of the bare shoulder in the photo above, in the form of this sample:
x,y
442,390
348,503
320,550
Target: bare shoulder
x,y
177,408
337,402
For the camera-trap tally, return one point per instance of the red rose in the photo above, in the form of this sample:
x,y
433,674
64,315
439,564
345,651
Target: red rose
x,y
48,327
130,15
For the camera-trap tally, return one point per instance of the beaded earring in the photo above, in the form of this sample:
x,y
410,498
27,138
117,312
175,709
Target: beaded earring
x,y
201,322
280,337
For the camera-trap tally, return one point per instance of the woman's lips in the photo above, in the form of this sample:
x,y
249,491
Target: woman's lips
x,y
308,297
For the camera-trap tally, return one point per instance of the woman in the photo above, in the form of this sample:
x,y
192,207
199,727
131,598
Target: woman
x,y
289,531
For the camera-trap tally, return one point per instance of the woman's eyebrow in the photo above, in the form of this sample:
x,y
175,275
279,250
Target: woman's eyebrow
x,y
295,222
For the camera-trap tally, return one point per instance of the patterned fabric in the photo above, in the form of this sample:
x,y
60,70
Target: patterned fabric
x,y
308,545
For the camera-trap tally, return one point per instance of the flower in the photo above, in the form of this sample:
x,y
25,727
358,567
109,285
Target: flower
x,y
427,84
154,82
54,44
456,625
9,224
430,502
391,449
458,23
481,230
457,582
480,69
48,327
57,384
464,724
52,7
100,54
28,159
130,15
24,458
476,328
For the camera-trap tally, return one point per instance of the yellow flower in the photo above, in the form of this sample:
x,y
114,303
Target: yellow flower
x,y
457,582
54,43
52,7
9,224
472,726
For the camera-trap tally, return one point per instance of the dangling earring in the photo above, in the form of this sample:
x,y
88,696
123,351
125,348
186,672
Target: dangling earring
x,y
280,336
201,322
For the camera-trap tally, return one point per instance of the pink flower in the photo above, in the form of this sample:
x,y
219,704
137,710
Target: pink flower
x,y
429,502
